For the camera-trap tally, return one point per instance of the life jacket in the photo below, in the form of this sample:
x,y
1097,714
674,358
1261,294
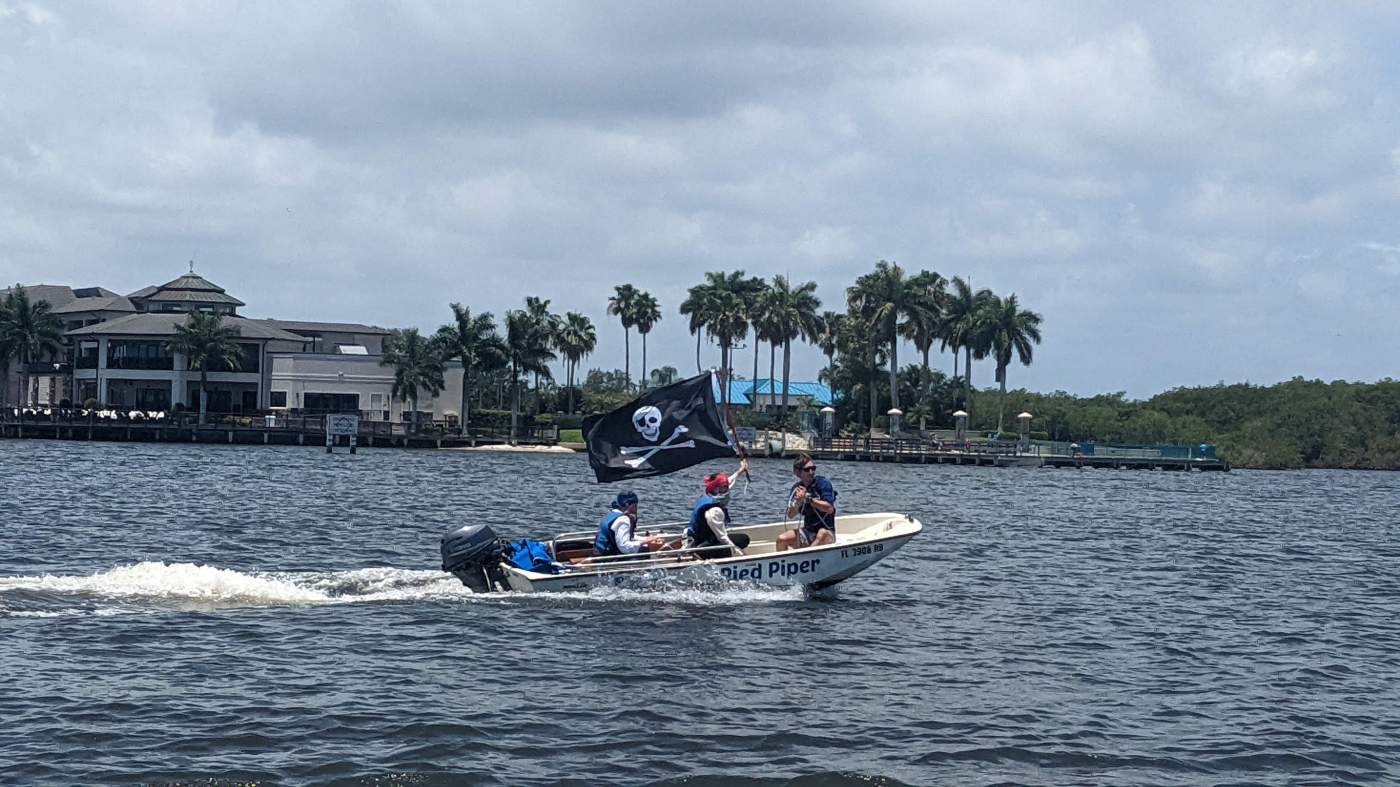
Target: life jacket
x,y
605,543
699,531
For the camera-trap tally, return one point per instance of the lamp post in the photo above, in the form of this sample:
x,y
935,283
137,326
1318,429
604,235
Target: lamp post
x,y
960,426
1024,422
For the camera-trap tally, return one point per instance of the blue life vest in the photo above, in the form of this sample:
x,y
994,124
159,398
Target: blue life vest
x,y
699,530
605,543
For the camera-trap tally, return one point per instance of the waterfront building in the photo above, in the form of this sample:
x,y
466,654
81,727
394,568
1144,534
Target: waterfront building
x,y
116,353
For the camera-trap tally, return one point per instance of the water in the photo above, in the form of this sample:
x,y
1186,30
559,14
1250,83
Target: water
x,y
183,613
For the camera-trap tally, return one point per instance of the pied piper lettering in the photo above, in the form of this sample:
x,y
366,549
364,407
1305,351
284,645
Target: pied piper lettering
x,y
771,570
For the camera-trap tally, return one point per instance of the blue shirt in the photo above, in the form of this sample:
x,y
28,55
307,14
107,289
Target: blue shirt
x,y
812,519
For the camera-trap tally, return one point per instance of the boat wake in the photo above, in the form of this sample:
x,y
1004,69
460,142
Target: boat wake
x,y
154,586
157,586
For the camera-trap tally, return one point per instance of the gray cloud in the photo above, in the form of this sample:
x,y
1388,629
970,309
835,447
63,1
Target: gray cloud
x,y
1188,194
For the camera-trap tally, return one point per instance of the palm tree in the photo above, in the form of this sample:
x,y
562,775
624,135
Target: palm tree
x,y
576,339
646,314
1010,330
962,329
418,365
29,330
527,352
756,299
832,325
792,314
471,339
923,327
727,316
664,375
883,298
203,339
696,308
538,309
623,305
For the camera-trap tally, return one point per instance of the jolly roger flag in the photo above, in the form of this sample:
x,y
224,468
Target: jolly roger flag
x,y
668,429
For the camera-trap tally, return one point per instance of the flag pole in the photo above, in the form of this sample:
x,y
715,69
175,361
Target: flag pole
x,y
729,419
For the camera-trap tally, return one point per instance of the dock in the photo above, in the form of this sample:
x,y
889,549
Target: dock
x,y
914,451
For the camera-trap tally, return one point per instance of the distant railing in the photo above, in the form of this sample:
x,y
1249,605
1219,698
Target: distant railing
x,y
912,445
310,423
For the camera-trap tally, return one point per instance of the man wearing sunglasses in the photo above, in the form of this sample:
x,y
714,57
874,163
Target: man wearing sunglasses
x,y
815,499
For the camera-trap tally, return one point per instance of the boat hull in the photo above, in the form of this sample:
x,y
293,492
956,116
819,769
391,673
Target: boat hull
x,y
862,541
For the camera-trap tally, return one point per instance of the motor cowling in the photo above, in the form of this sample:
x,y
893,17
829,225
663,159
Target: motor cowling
x,y
473,555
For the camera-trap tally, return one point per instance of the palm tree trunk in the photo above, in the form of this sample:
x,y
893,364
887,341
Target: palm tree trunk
x,y
787,371
413,416
894,370
571,387
967,383
874,389
698,368
645,380
772,351
1001,403
203,393
514,403
923,394
466,404
754,380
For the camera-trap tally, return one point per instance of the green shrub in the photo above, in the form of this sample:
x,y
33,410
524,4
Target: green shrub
x,y
570,435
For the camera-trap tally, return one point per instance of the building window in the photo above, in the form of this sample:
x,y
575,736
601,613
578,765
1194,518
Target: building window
x,y
279,398
247,360
139,355
330,402
376,401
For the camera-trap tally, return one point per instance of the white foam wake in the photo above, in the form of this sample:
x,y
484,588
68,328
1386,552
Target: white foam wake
x,y
191,583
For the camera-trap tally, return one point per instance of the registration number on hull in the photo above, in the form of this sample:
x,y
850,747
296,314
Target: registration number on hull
x,y
864,549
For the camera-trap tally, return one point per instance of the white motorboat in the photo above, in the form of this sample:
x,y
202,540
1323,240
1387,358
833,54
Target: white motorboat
x,y
475,555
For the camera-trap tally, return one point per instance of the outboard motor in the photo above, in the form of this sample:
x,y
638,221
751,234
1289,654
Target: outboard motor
x,y
473,555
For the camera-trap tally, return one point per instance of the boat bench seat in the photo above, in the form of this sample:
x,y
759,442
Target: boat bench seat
x,y
573,555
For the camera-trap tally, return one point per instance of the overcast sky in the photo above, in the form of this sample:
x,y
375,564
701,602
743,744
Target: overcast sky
x,y
1186,195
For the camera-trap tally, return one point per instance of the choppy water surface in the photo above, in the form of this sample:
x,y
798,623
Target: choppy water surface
x,y
172,613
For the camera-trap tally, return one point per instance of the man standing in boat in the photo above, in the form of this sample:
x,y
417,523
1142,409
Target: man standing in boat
x,y
617,533
815,499
709,522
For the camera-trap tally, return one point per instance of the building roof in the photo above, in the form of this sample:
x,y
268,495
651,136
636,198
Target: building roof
x,y
163,324
296,326
191,288
143,292
742,391
54,295
109,303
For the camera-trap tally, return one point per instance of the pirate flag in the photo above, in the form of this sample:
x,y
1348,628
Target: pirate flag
x,y
668,429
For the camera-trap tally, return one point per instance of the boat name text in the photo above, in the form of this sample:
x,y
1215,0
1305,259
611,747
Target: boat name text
x,y
773,568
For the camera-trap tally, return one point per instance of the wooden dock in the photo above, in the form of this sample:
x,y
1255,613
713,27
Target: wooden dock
x,y
918,452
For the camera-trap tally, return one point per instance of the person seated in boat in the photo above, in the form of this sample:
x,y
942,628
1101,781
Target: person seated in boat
x,y
815,499
709,521
617,533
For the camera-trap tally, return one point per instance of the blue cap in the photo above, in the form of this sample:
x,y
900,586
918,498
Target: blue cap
x,y
624,499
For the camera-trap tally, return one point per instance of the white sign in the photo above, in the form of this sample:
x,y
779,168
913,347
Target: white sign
x,y
343,425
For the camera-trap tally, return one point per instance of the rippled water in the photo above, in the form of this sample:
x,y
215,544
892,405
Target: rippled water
x,y
276,615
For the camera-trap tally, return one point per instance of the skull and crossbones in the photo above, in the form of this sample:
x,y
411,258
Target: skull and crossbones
x,y
647,421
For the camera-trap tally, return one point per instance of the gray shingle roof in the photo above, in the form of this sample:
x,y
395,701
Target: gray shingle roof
x,y
192,288
113,303
54,294
163,324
